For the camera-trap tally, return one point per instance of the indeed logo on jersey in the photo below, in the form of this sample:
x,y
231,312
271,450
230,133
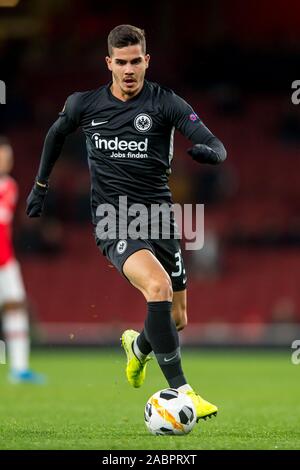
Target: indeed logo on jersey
x,y
121,146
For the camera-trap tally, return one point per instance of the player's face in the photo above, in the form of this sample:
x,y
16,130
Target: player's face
x,y
128,66
6,159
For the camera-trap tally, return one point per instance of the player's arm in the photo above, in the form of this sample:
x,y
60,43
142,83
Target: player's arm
x,y
68,121
207,148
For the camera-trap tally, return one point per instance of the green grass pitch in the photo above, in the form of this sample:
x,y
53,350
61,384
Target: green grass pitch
x,y
87,403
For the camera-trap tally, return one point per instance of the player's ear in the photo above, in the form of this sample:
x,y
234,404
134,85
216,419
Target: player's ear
x,y
147,60
108,62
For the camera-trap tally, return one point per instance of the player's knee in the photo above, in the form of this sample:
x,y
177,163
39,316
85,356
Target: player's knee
x,y
159,289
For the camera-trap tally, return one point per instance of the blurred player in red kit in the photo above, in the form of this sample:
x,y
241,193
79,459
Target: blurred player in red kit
x,y
15,322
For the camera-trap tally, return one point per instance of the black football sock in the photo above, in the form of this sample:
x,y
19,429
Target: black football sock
x,y
143,345
161,333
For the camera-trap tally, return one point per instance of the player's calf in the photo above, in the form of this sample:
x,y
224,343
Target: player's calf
x,y
179,309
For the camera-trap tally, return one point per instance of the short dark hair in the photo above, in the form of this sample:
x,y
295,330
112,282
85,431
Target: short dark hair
x,y
4,141
126,35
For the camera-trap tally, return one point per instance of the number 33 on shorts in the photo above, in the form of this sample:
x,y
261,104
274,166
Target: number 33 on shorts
x,y
180,271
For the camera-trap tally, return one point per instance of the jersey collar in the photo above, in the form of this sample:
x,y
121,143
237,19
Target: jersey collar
x,y
136,97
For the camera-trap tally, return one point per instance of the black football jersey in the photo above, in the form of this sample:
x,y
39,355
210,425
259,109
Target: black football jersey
x,y
129,143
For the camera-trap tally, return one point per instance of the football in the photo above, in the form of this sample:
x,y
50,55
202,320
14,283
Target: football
x,y
169,412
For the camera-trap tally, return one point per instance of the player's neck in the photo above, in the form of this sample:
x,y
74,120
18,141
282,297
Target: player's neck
x,y
120,95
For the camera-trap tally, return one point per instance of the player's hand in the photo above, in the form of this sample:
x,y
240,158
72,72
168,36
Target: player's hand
x,y
36,200
203,154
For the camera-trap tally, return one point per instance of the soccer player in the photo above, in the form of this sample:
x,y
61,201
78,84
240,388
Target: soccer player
x,y
129,126
15,322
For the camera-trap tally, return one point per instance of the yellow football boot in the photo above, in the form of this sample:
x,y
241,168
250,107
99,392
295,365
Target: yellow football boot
x,y
203,408
135,369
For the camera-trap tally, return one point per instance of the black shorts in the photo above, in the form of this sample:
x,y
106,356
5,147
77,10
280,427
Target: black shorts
x,y
168,253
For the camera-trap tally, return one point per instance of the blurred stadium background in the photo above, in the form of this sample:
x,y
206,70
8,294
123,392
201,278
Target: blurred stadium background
x,y
235,63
